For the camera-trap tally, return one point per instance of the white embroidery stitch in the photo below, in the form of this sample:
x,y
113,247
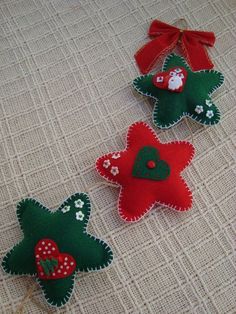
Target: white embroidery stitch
x,y
79,215
65,209
114,171
79,203
106,163
199,109
210,114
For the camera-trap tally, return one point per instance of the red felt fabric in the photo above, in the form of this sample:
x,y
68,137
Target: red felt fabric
x,y
166,38
138,195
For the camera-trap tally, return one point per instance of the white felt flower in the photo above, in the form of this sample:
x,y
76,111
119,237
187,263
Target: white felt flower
x,y
116,156
106,163
210,114
208,103
79,203
114,171
199,109
79,215
65,209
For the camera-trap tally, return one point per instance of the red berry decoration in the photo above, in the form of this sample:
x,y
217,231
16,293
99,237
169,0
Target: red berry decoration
x,y
151,164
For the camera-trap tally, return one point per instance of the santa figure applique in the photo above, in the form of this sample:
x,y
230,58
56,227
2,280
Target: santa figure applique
x,y
172,80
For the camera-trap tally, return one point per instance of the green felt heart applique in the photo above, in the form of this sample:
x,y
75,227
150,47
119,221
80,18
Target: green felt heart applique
x,y
148,165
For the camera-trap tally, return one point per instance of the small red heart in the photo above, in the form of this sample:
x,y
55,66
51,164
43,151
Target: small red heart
x,y
50,263
172,80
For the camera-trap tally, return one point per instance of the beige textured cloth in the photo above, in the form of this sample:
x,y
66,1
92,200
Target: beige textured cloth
x,y
66,68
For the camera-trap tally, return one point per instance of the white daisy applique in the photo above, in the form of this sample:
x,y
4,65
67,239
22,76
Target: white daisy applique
x,y
65,209
210,114
79,203
106,163
116,156
79,215
208,103
199,109
114,171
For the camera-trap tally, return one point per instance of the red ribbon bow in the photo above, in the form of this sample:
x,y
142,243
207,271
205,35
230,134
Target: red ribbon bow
x,y
167,37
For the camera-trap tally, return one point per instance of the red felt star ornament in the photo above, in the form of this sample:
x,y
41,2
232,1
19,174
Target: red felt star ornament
x,y
148,172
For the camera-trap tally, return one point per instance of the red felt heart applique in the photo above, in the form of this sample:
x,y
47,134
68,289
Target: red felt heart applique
x,y
172,80
50,263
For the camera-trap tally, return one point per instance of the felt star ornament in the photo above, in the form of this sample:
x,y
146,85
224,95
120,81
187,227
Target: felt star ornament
x,y
56,246
148,172
179,92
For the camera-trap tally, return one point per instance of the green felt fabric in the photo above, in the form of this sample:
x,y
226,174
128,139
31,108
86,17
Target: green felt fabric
x,y
140,169
57,292
71,237
49,265
194,101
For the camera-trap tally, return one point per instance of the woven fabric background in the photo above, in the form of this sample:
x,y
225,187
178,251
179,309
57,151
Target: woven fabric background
x,y
66,68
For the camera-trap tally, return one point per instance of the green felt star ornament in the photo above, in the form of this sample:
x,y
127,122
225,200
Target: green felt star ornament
x,y
179,92
56,246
